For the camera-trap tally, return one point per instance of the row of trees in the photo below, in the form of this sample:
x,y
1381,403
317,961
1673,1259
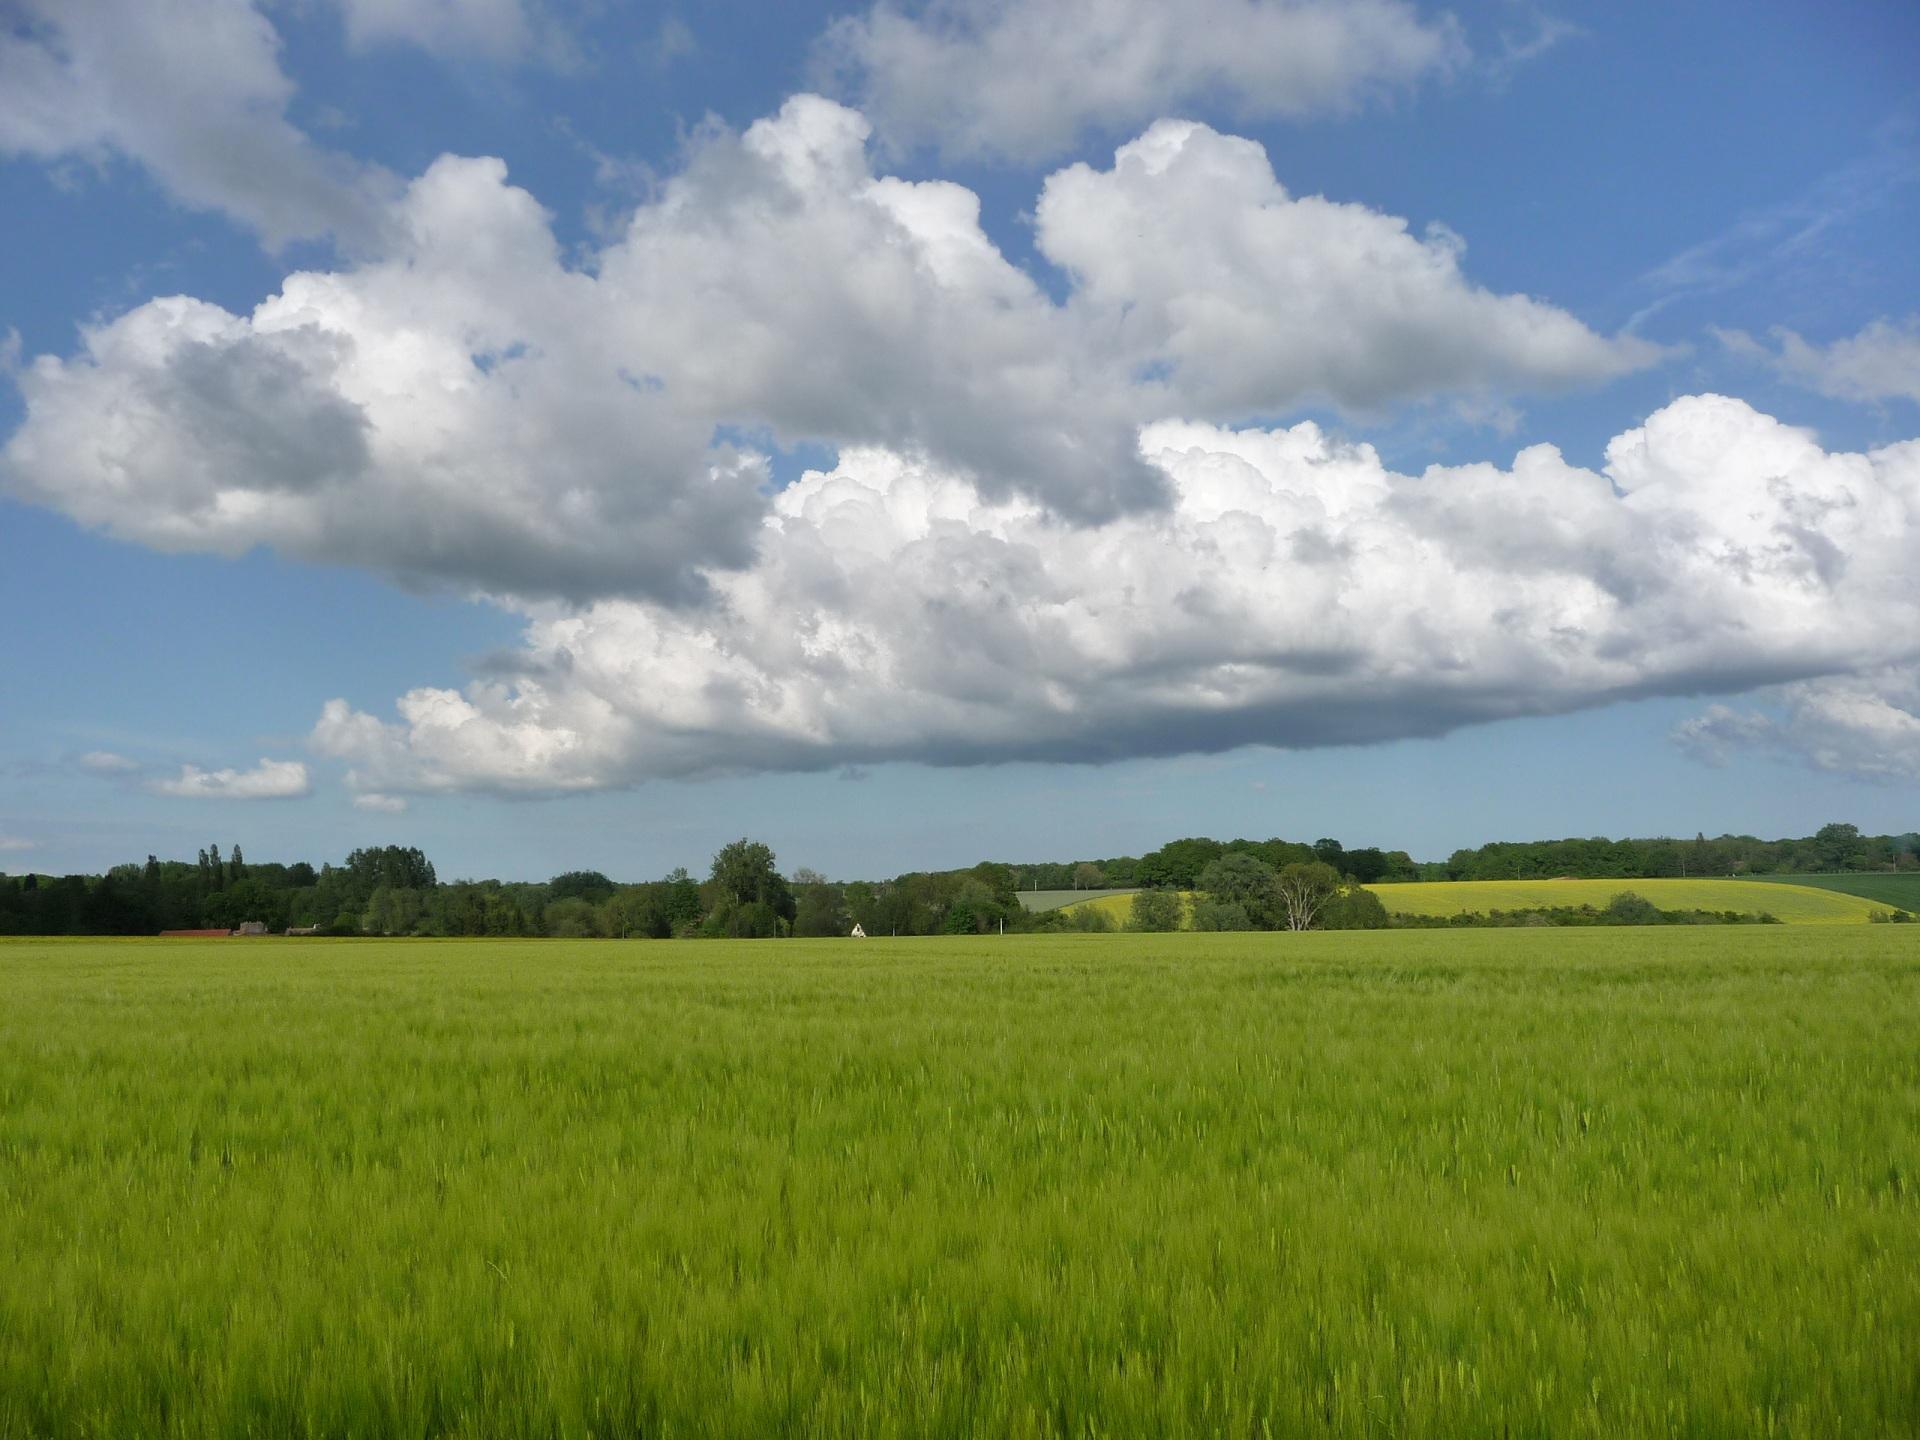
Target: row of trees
x,y
1832,849
1177,864
1239,891
394,890
213,892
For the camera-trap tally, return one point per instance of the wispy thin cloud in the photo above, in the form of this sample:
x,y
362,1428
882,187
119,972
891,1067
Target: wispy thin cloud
x,y
1791,233
1519,49
107,762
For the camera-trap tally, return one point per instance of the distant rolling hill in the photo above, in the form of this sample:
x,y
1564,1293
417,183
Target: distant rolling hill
x,y
1796,904
1041,900
1900,891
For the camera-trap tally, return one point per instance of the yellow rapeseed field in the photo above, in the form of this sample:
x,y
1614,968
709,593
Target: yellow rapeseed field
x,y
1795,904
1120,907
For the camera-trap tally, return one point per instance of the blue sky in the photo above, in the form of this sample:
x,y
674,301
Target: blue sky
x,y
532,448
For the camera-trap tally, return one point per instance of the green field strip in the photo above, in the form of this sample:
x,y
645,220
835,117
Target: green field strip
x,y
1899,890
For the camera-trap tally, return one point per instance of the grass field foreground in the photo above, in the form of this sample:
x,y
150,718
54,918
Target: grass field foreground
x,y
1594,1183
1794,904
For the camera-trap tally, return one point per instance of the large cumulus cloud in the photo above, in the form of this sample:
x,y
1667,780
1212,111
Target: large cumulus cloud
x,y
466,407
1295,592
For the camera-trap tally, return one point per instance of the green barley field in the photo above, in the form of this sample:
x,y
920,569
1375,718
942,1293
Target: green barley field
x,y
1605,1183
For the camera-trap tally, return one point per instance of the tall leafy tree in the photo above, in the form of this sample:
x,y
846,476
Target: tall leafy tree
x,y
744,872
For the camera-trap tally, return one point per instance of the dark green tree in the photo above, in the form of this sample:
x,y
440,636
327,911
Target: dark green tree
x,y
1211,914
819,909
681,901
1838,847
1155,911
588,885
744,873
1354,909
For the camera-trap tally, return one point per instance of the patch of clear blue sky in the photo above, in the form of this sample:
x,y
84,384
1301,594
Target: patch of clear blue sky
x,y
1776,146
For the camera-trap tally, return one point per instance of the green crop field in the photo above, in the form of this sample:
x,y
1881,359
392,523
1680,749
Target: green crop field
x,y
1598,1183
1795,904
1039,901
1898,891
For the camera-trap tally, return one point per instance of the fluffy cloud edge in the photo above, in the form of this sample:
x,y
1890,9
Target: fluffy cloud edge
x,y
467,410
1296,593
193,92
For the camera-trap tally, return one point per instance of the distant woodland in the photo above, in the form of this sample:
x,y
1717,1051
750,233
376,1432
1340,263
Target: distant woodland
x,y
395,890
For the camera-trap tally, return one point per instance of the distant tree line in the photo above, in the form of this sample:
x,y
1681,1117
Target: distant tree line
x,y
1177,864
1626,908
1234,884
1832,849
394,890
1238,890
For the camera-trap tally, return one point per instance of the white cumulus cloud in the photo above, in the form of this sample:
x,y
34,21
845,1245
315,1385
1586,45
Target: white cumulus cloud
x,y
1027,80
14,844
269,780
1296,592
466,408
